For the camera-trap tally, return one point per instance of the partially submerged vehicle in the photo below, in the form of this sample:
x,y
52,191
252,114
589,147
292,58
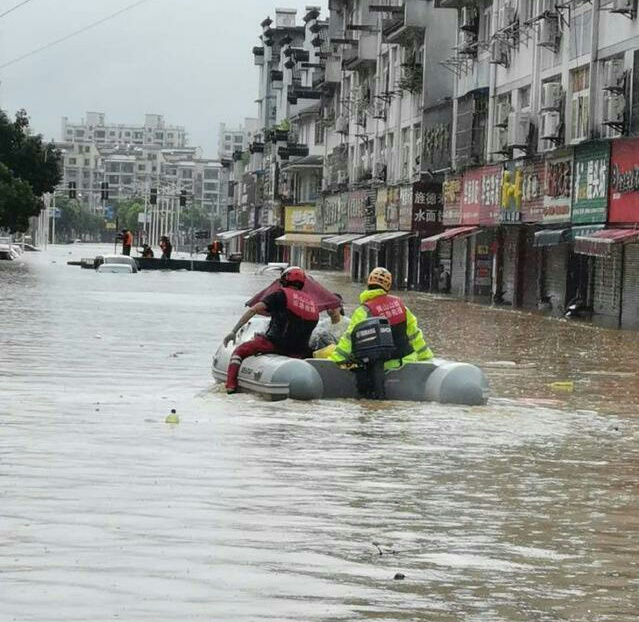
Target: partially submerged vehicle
x,y
278,377
115,263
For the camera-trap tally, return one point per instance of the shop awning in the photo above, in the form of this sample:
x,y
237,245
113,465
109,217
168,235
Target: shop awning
x,y
600,243
365,240
333,244
551,237
256,232
229,235
430,244
389,236
313,240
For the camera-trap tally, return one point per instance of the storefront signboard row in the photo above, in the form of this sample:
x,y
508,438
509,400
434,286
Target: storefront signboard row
x,y
416,207
569,186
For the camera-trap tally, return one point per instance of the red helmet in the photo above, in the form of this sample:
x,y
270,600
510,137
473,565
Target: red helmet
x,y
293,277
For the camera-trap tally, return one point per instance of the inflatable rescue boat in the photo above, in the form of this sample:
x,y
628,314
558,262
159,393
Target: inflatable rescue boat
x,y
278,377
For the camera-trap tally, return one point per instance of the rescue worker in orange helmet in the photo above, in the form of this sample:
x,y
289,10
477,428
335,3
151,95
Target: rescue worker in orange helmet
x,y
375,301
294,315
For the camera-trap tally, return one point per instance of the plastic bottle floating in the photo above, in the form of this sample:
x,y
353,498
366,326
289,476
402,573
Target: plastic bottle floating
x,y
172,417
565,386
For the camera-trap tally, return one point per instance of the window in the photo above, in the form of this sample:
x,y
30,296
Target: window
x,y
210,174
99,133
73,161
485,26
524,98
141,167
580,103
319,133
112,134
405,154
79,133
417,149
580,33
87,161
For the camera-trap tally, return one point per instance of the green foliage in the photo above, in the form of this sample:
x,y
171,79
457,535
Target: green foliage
x,y
127,213
77,220
25,158
17,202
284,125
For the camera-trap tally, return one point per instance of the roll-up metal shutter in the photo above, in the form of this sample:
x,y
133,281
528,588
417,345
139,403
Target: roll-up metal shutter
x,y
530,271
458,272
554,281
607,289
630,290
509,264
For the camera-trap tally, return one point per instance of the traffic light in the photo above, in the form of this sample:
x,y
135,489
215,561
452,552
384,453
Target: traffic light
x,y
72,191
182,198
104,191
153,198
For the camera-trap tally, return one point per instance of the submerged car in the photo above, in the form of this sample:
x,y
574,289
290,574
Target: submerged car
x,y
115,263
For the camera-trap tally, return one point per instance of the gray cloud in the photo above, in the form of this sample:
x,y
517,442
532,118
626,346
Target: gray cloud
x,y
187,59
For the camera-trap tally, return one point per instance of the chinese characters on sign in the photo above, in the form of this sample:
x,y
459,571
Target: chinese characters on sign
x,y
557,190
300,218
427,207
451,196
624,181
590,183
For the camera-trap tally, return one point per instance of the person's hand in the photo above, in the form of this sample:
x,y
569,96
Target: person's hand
x,y
230,337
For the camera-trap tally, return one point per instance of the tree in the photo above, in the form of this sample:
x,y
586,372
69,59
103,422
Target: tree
x,y
26,158
77,221
17,202
127,212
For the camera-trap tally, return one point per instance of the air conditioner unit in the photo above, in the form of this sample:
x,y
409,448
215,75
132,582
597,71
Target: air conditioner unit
x,y
550,124
551,96
623,6
506,16
499,52
549,31
501,114
500,140
468,18
518,129
614,108
341,124
613,74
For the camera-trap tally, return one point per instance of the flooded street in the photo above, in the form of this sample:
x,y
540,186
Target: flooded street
x,y
523,510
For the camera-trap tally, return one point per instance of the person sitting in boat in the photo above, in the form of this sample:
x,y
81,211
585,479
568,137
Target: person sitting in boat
x,y
293,314
377,302
166,246
330,329
147,252
214,251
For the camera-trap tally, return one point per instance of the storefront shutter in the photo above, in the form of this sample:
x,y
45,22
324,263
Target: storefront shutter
x,y
607,289
509,263
459,263
554,284
530,271
630,292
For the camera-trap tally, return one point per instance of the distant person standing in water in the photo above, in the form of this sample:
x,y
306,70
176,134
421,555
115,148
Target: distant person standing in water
x,y
127,242
166,246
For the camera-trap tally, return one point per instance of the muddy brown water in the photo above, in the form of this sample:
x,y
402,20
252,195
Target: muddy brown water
x,y
523,510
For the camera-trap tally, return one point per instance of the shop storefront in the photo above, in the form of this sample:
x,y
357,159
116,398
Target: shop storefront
x,y
553,241
233,241
594,279
303,247
426,221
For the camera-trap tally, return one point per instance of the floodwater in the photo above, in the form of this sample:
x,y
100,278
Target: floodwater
x,y
523,510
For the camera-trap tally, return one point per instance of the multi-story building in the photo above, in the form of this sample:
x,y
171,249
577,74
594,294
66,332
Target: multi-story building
x,y
231,140
538,194
94,129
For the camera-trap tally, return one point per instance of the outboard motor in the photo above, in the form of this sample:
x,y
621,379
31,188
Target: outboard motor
x,y
372,342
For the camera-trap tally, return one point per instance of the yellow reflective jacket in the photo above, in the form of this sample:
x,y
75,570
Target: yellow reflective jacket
x,y
343,350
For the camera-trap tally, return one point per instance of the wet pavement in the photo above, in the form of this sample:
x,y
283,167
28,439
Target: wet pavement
x,y
523,510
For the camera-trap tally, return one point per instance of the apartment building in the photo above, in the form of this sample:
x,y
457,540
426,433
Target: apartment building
x,y
95,129
539,196
231,140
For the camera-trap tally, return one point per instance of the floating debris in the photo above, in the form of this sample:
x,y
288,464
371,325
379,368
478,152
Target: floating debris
x,y
172,417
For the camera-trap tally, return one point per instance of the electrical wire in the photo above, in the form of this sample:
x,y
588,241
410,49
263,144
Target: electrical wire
x,y
15,8
73,34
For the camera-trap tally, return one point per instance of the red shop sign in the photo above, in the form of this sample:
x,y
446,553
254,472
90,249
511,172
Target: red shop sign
x,y
624,181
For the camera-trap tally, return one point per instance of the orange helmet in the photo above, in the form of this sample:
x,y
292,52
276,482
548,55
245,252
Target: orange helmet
x,y
382,277
293,277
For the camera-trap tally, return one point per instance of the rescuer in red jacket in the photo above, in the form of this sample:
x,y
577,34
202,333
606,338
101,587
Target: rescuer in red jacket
x,y
293,314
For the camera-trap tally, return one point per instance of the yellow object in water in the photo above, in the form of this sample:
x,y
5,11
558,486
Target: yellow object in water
x,y
324,353
172,418
567,386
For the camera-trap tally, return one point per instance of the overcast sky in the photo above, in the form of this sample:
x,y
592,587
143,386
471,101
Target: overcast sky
x,y
189,60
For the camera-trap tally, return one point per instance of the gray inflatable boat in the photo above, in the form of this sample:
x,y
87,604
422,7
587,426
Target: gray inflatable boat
x,y
278,377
